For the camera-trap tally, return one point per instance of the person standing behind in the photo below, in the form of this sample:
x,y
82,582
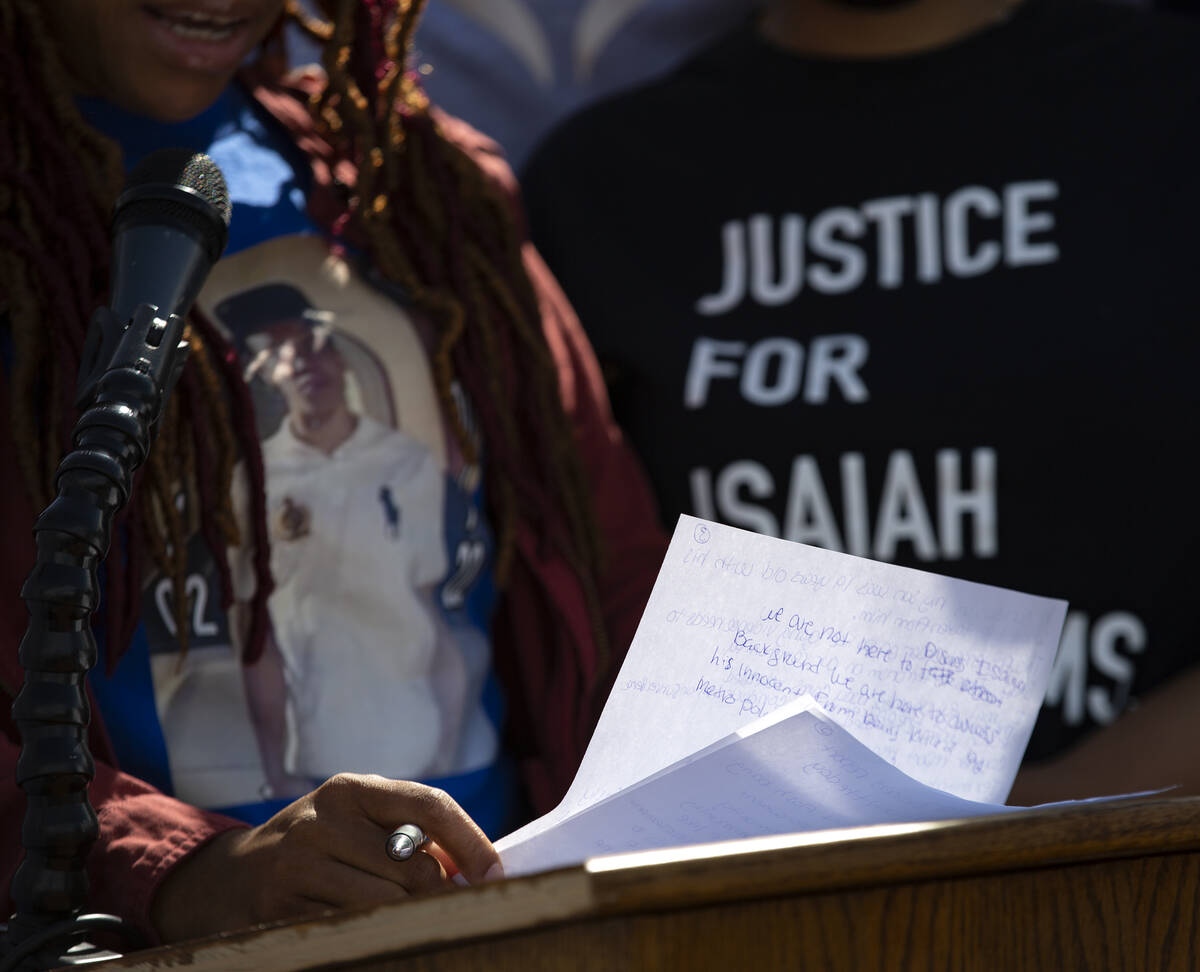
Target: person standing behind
x,y
913,279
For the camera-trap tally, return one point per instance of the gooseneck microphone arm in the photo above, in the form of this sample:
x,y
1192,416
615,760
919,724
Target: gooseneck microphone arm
x,y
131,365
112,438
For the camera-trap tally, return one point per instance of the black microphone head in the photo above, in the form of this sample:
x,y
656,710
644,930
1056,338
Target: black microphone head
x,y
170,226
179,187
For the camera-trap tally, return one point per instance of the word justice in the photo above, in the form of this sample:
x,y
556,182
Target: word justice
x,y
768,259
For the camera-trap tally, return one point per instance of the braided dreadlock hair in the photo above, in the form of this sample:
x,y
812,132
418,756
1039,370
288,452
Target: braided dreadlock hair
x,y
59,179
437,226
431,222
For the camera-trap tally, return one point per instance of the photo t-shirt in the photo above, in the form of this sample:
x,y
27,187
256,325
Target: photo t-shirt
x,y
378,658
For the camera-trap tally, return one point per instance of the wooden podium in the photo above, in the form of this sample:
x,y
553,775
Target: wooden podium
x,y
1105,886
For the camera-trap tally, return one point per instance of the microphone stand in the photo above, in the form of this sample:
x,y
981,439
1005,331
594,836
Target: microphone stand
x,y
128,372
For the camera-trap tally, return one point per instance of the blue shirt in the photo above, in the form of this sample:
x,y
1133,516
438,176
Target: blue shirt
x,y
183,721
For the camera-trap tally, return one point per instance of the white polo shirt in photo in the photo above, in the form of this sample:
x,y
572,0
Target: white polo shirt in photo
x,y
356,548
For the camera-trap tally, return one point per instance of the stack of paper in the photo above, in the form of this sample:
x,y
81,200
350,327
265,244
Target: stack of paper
x,y
773,687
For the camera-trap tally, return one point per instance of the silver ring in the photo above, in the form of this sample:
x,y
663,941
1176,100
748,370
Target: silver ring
x,y
404,841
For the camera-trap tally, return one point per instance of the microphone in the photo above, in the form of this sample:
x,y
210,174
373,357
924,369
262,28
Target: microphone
x,y
170,226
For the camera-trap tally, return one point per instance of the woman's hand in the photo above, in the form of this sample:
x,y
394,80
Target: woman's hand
x,y
284,786
325,851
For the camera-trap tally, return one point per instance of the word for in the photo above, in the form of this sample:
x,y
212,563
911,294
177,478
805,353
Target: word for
x,y
771,372
769,260
745,494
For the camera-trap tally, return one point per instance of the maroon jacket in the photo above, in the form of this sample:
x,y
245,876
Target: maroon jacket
x,y
543,644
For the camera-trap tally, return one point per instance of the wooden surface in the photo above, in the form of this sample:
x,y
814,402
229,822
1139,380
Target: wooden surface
x,y
1099,886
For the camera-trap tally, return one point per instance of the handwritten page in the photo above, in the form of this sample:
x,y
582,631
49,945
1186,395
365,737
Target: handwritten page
x,y
942,678
793,772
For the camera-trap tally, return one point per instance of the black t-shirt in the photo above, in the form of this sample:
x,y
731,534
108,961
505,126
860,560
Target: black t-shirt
x,y
940,310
